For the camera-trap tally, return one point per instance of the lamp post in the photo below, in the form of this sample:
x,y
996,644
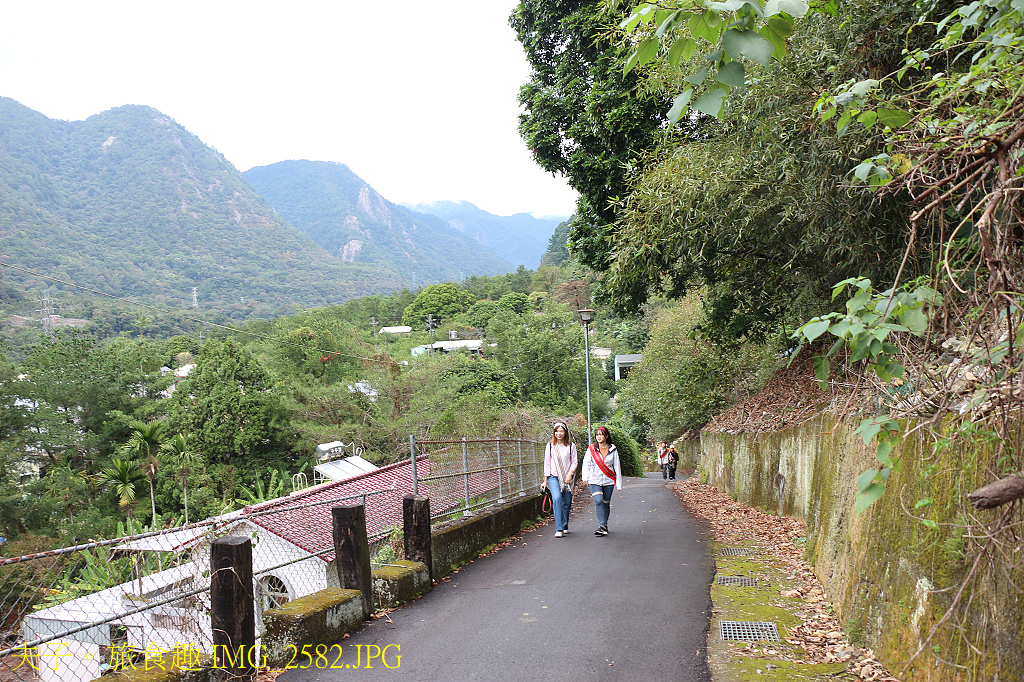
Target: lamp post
x,y
586,315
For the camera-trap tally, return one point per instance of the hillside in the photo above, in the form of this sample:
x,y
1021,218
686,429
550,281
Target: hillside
x,y
131,204
341,213
520,238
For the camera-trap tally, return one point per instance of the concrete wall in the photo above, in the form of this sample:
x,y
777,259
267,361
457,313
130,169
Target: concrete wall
x,y
890,576
461,541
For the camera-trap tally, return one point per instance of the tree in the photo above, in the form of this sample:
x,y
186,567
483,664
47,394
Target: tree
x,y
481,313
229,404
750,212
144,441
516,302
443,301
584,117
177,447
121,476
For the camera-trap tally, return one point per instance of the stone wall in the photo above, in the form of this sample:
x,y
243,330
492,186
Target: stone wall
x,y
890,576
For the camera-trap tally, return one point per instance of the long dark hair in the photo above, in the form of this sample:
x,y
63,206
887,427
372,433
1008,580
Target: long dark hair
x,y
607,435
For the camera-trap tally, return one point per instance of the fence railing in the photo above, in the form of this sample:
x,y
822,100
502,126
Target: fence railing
x,y
74,613
465,475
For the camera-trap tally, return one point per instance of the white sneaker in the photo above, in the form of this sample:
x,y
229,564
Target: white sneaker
x,y
558,533
565,532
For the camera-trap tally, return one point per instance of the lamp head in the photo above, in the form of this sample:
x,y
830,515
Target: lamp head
x,y
586,315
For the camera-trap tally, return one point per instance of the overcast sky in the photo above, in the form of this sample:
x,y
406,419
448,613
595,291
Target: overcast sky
x,y
417,97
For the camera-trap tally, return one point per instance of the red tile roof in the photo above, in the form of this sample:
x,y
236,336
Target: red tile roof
x,y
304,519
309,527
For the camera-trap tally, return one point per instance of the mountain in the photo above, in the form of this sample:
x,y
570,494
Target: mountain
x,y
520,238
129,203
344,215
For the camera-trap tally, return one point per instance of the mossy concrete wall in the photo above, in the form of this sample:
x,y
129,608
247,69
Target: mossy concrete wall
x,y
461,541
399,582
891,576
319,618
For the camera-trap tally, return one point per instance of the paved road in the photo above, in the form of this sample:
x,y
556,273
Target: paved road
x,y
634,605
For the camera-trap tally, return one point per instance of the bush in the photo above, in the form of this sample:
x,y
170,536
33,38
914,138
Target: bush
x,y
629,450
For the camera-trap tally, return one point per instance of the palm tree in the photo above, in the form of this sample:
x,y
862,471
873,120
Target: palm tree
x,y
122,476
144,442
177,446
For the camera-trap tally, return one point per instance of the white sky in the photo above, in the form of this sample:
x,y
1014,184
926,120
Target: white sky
x,y
417,97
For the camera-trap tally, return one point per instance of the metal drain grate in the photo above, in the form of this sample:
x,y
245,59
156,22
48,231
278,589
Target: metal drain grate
x,y
735,580
736,551
749,631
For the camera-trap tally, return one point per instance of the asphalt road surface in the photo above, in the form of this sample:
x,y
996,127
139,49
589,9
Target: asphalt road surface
x,y
633,605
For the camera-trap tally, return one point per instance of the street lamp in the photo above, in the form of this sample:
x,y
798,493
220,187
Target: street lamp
x,y
586,315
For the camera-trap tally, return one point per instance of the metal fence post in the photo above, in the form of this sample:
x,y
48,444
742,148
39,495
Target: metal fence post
x,y
351,552
522,486
232,618
412,456
465,475
501,494
416,531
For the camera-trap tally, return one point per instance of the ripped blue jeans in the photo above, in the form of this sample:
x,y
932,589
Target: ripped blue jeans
x,y
602,495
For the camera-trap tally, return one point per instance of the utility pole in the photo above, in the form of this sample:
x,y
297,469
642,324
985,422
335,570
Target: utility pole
x,y
430,326
373,323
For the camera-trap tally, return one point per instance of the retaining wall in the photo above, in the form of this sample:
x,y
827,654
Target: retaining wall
x,y
890,576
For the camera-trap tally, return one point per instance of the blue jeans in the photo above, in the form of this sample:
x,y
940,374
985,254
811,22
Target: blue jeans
x,y
602,495
561,503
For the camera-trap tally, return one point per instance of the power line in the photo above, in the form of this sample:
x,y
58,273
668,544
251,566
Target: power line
x,y
164,311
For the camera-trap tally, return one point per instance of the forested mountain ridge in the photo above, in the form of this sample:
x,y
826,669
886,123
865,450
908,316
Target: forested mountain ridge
x,y
349,219
130,203
521,238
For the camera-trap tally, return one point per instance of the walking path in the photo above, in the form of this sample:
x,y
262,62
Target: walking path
x,y
634,605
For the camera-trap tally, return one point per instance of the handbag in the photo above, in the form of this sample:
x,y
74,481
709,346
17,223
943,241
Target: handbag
x,y
545,504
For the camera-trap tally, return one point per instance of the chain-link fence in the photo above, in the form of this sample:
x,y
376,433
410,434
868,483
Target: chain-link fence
x,y
143,600
466,475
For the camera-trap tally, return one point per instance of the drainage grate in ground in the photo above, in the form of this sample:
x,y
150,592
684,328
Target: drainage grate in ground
x,y
736,551
749,631
735,580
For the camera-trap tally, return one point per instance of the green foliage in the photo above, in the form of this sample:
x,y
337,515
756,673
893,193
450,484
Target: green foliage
x,y
583,117
274,489
443,301
734,30
480,313
122,478
544,352
130,203
748,212
629,450
558,250
684,381
863,331
228,402
515,301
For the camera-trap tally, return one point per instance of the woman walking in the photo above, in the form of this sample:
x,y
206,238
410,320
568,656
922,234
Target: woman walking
x,y
603,473
560,459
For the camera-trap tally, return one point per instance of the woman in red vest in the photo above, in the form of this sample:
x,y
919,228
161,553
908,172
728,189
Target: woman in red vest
x,y
603,473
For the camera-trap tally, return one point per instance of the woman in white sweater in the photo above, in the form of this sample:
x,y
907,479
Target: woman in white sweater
x,y
603,473
560,459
